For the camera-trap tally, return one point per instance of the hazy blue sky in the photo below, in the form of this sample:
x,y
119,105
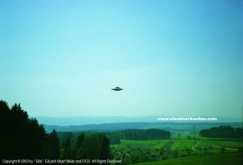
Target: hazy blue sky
x,y
172,57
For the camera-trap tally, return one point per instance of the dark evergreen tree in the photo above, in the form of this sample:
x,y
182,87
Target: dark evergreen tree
x,y
105,152
68,148
54,145
95,146
5,116
80,152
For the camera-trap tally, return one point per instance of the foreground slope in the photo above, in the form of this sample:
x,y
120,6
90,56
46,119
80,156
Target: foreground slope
x,y
217,159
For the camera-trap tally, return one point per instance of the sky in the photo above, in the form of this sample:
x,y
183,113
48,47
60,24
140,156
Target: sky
x,y
60,58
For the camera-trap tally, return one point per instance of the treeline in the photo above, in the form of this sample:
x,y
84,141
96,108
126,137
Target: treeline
x,y
113,138
222,132
23,137
130,134
144,134
94,146
135,134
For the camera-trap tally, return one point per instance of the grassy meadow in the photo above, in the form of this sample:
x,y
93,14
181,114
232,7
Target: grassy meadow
x,y
230,146
181,151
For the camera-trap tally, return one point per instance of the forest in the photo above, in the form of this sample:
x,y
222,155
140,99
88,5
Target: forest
x,y
144,134
22,137
222,132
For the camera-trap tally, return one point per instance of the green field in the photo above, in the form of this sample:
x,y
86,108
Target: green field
x,y
216,159
183,143
144,143
178,151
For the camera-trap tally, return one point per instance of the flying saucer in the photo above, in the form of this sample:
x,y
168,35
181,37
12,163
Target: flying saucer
x,y
117,89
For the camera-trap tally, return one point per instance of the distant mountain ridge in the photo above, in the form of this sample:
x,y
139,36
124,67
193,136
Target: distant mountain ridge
x,y
67,121
75,124
110,127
